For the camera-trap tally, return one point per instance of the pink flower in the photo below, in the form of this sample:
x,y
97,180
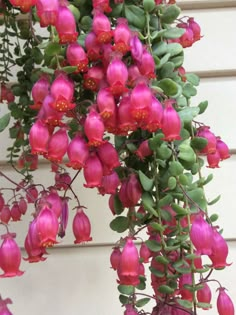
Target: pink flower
x,y
140,103
15,212
57,146
145,253
147,65
155,117
93,171
76,56
39,91
47,227
102,28
108,156
196,29
81,227
106,103
126,121
225,305
33,254
48,114
115,258
94,128
130,310
222,149
10,256
47,11
93,78
128,269
205,132
66,26
213,160
219,251
117,76
171,123
144,150
3,306
122,35
204,295
109,184
5,214
134,189
62,91
201,235
38,138
77,152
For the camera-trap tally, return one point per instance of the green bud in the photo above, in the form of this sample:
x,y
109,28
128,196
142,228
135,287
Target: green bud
x,y
149,5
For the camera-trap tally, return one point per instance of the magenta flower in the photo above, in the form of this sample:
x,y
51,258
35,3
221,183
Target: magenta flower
x,y
81,227
225,305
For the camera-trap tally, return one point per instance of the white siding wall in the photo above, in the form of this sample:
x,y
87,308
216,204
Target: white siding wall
x,y
78,280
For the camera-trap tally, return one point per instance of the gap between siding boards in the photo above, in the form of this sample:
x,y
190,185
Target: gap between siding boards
x,y
108,244
215,4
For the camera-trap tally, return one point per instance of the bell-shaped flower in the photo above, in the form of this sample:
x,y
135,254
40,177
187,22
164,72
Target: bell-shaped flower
x,y
38,137
76,56
81,227
77,152
66,26
130,310
219,251
106,103
93,48
155,117
62,91
126,121
147,65
122,36
33,255
47,12
134,189
196,29
204,294
145,253
3,306
201,235
136,48
225,305
48,114
115,258
5,214
213,160
102,28
128,269
109,184
15,212
140,103
57,146
47,227
39,91
94,128
93,171
171,123
205,132
117,76
10,256
222,149
93,78
108,156
143,150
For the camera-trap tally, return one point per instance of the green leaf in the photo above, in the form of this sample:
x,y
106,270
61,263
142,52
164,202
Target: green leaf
x,y
189,90
52,49
186,152
175,168
146,182
178,61
172,183
142,302
156,141
148,5
75,12
169,87
163,260
167,71
204,305
69,69
183,179
157,227
198,196
156,272
170,14
160,48
184,303
174,49
162,61
198,143
210,203
123,299
126,289
165,201
203,106
163,152
153,245
119,224
187,114
148,203
214,217
135,16
47,70
179,210
118,207
174,32
192,78
4,121
165,289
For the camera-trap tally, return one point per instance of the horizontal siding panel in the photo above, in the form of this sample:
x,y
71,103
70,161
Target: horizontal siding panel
x,y
205,4
216,49
81,282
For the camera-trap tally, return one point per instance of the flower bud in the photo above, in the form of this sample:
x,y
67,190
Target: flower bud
x,y
81,227
225,305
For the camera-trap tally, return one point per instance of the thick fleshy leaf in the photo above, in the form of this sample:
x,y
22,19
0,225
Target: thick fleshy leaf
x,y
4,121
146,182
142,302
203,106
170,14
192,78
175,168
126,289
135,15
173,33
153,245
186,152
169,87
52,49
187,114
120,224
